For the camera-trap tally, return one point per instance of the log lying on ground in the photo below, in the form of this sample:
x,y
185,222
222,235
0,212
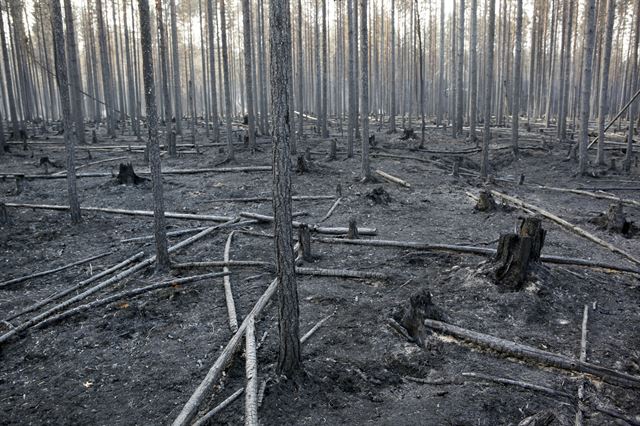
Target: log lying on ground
x,y
481,251
519,203
331,210
251,369
191,407
148,213
177,233
393,179
267,199
602,196
75,287
583,357
52,271
531,353
125,295
104,284
228,294
223,263
341,273
312,228
93,163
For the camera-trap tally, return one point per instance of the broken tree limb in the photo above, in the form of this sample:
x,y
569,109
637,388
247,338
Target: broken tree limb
x,y
149,213
125,295
251,369
91,290
519,203
191,407
75,287
312,228
330,212
520,383
393,179
315,328
228,294
93,163
212,170
205,419
266,199
531,353
231,224
583,358
340,273
52,271
224,263
614,119
601,196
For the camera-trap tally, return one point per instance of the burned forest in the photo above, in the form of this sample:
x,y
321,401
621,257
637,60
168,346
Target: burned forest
x,y
310,212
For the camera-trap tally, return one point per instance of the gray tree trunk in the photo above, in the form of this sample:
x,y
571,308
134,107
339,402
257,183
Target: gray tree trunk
x,y
74,73
460,72
226,76
289,358
392,101
300,99
488,87
177,94
164,69
587,70
473,73
15,121
63,88
131,88
517,81
364,99
603,107
352,79
211,13
441,88
107,84
325,72
248,72
159,222
633,108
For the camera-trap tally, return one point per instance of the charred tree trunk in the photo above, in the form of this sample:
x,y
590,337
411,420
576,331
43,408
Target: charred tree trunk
x,y
587,71
248,73
603,107
289,359
488,89
74,73
364,34
211,13
164,69
177,92
517,81
226,78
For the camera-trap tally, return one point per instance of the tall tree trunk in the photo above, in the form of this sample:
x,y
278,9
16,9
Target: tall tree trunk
x,y
289,359
177,94
517,81
63,88
633,108
159,222
392,101
300,99
164,69
352,78
460,71
603,107
325,72
211,13
226,77
364,107
131,88
107,84
473,73
248,72
441,87
589,37
74,73
488,89
13,112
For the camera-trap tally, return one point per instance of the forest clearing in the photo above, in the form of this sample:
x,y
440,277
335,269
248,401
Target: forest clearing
x,y
198,227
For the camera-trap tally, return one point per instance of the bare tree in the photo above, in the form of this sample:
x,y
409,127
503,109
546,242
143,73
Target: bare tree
x,y
164,70
289,359
460,72
63,89
351,124
603,108
300,82
107,84
226,77
325,72
74,73
633,108
364,99
473,73
211,13
8,79
589,35
392,101
441,88
517,81
177,92
159,222
488,86
248,72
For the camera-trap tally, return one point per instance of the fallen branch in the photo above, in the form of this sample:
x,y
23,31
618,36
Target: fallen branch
x,y
228,294
231,224
212,170
191,407
583,358
341,273
529,352
75,287
393,179
626,201
125,295
315,328
330,212
312,228
521,384
251,368
93,163
519,203
52,271
224,263
265,199
205,419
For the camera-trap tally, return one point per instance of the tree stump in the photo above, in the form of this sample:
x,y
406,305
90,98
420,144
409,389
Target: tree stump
x,y
420,308
456,167
173,149
517,254
333,149
408,134
19,184
126,175
353,230
301,165
94,137
4,215
379,196
304,238
372,141
614,220
486,202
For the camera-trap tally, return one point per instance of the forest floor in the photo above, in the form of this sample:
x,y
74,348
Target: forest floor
x,y
137,361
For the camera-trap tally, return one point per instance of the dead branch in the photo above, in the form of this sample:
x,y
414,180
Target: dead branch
x,y
583,358
341,273
393,179
228,294
251,368
315,328
223,263
52,271
601,196
205,419
521,384
312,228
330,212
534,354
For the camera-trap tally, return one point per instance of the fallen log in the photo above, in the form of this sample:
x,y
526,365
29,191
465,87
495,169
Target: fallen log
x,y
626,201
393,179
224,263
583,357
315,328
531,353
519,203
93,163
312,228
148,213
228,294
190,409
340,273
124,295
251,371
205,419
482,251
75,287
330,212
267,199
52,271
